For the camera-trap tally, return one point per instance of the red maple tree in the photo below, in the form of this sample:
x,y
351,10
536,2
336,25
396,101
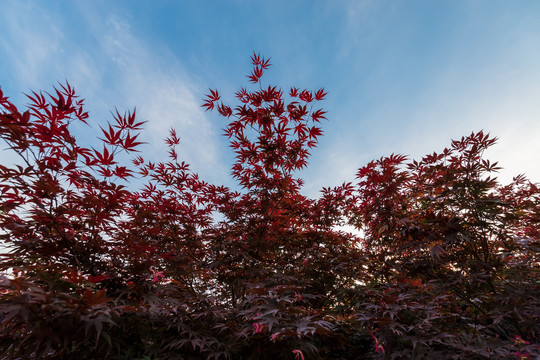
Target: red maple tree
x,y
182,269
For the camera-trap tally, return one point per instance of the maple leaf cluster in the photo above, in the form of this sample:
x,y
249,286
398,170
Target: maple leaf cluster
x,y
179,268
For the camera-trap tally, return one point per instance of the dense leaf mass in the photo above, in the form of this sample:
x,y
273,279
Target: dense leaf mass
x,y
445,265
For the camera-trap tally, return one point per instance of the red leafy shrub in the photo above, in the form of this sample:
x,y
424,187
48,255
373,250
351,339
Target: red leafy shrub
x,y
447,265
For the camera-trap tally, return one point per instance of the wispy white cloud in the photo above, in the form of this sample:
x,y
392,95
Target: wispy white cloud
x,y
356,24
109,66
29,44
31,40
164,96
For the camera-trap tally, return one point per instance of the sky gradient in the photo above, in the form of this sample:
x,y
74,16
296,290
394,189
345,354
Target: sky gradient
x,y
402,76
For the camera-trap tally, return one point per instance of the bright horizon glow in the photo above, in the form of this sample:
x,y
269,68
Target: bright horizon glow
x,y
402,77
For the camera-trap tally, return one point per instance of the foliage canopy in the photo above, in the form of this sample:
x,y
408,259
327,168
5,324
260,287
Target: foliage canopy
x,y
446,267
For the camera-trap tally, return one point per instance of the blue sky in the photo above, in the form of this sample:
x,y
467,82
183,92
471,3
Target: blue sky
x,y
402,76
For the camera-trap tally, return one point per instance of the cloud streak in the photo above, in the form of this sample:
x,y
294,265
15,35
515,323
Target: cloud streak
x,y
109,66
165,97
